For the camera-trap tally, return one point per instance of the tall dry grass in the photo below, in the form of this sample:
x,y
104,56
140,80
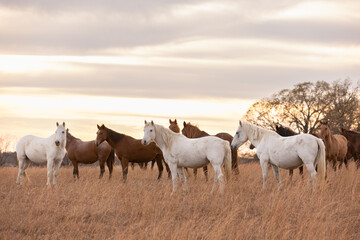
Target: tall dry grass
x,y
143,208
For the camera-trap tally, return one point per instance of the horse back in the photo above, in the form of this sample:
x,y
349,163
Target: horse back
x,y
225,136
135,151
33,148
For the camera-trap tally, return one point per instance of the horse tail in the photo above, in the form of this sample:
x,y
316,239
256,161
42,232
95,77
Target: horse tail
x,y
227,160
321,159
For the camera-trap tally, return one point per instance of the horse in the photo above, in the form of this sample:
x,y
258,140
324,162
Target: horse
x,y
283,152
35,149
287,132
175,128
192,131
180,151
87,152
336,145
129,149
353,138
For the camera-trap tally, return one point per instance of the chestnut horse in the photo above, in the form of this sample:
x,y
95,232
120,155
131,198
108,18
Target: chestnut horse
x,y
129,149
87,152
353,138
336,145
192,131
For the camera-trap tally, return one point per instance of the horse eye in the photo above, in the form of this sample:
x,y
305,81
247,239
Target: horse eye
x,y
150,130
63,132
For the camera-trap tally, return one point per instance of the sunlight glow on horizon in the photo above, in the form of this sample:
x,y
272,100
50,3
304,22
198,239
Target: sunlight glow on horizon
x,y
82,112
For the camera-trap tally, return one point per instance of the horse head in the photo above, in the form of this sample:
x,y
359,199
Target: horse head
x,y
101,134
149,133
60,137
174,126
240,137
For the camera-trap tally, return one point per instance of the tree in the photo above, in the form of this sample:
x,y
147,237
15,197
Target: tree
x,y
302,107
343,111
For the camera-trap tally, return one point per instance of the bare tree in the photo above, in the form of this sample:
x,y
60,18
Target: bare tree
x,y
306,104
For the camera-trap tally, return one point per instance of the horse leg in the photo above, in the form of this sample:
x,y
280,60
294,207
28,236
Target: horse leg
x,y
102,168
205,172
277,174
56,169
312,174
291,173
264,164
234,161
153,163
76,170
180,171
50,163
158,160
334,164
167,169
346,163
125,164
218,177
21,172
301,171
173,169
195,172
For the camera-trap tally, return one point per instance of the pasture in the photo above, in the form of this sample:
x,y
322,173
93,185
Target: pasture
x,y
142,208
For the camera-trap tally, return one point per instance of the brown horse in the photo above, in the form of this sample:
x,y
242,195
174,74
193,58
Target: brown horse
x,y
87,152
336,145
129,149
353,138
192,131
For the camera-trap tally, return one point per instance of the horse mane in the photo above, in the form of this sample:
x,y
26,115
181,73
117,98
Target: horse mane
x,y
166,135
257,132
115,136
285,131
351,131
194,129
72,136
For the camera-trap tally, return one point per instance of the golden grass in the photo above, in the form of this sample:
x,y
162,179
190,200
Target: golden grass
x,y
143,208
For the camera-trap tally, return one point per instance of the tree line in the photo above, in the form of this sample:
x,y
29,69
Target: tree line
x,y
306,104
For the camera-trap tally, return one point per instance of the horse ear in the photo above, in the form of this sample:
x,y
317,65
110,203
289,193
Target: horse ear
x,y
57,124
170,121
175,121
145,122
184,124
63,124
240,123
152,122
67,130
98,126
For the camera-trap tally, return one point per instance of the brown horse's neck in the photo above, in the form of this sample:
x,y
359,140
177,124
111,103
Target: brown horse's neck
x,y
114,137
197,133
69,140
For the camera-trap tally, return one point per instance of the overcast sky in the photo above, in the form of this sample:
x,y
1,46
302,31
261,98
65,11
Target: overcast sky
x,y
228,53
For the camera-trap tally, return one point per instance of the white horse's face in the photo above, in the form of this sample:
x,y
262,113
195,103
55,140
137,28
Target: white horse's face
x,y
60,135
240,137
149,133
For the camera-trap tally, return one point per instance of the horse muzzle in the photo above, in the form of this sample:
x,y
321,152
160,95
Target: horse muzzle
x,y
144,142
57,143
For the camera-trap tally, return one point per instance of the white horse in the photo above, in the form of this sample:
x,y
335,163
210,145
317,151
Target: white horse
x,y
40,150
284,152
180,151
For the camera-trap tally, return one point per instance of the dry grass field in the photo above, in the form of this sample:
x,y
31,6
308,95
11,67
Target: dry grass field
x,y
143,208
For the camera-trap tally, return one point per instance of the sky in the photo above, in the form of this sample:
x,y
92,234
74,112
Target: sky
x,y
121,62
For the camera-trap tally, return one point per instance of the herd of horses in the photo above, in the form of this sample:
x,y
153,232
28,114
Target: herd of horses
x,y
193,148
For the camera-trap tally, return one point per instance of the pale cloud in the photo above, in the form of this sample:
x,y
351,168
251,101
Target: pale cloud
x,y
168,52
